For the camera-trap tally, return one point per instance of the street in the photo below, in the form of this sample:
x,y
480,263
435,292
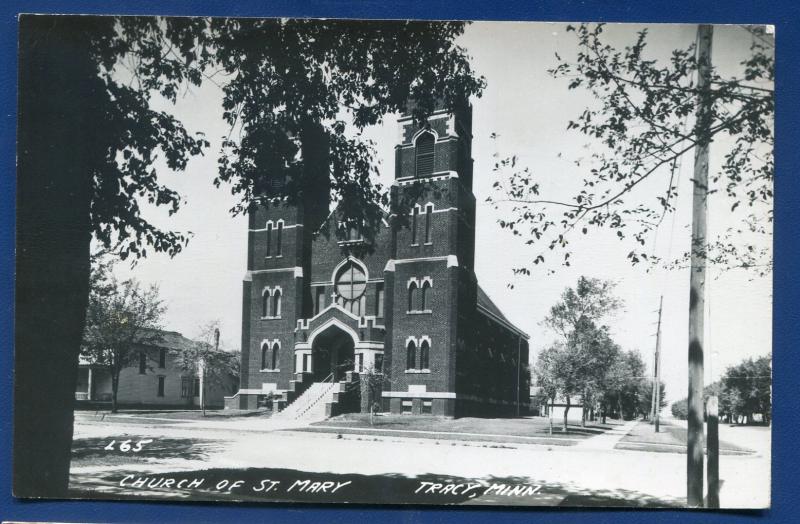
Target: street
x,y
585,474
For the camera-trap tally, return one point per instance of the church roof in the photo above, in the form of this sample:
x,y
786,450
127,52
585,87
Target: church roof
x,y
487,306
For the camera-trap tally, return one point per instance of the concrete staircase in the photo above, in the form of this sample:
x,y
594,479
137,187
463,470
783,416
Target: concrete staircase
x,y
311,405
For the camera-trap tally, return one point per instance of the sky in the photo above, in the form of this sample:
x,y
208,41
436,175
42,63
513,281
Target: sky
x,y
528,110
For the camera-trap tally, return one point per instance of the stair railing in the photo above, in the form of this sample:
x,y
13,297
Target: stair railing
x,y
324,391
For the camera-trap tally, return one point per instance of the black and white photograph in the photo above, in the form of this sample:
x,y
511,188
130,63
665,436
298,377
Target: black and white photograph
x,y
342,261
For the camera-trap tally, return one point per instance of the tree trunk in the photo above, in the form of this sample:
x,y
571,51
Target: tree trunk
x,y
114,388
57,86
566,411
605,408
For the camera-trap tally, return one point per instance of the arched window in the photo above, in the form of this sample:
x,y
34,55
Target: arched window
x,y
428,215
269,239
276,303
412,296
279,239
424,355
351,282
264,349
425,295
265,303
411,355
275,349
424,154
414,214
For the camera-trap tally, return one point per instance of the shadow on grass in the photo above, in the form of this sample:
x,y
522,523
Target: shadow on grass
x,y
298,486
101,451
520,426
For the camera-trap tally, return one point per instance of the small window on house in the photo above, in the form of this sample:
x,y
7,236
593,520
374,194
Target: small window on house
x,y
379,300
414,226
425,296
276,303
161,386
162,358
269,239
275,361
412,295
411,355
196,387
379,363
142,362
186,387
319,300
264,349
425,154
427,407
407,405
279,240
424,355
428,216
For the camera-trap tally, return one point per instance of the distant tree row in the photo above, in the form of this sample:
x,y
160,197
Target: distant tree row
x,y
745,390
585,363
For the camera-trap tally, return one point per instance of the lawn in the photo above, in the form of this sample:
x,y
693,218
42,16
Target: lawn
x,y
531,430
670,439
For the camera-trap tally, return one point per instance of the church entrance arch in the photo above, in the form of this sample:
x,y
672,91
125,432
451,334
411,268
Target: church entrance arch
x,y
333,352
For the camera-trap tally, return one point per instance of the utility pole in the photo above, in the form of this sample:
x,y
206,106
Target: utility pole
x,y
519,367
696,437
653,389
657,381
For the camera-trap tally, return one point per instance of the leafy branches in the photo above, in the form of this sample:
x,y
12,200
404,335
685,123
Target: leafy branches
x,y
643,126
296,83
130,135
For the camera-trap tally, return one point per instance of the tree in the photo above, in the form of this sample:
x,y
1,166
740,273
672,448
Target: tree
x,y
121,320
88,138
204,359
749,388
643,128
582,358
744,389
372,384
85,148
680,409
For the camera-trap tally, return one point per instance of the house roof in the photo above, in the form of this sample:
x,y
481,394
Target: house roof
x,y
488,307
172,340
169,340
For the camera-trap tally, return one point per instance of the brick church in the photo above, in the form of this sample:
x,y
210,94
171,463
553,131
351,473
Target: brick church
x,y
408,310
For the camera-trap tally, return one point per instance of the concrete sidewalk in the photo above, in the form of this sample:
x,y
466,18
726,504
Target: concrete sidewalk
x,y
606,441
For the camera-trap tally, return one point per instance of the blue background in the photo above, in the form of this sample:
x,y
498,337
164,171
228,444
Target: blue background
x,y
782,14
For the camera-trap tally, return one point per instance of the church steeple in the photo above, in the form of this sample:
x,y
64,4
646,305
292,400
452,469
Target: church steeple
x,y
440,146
